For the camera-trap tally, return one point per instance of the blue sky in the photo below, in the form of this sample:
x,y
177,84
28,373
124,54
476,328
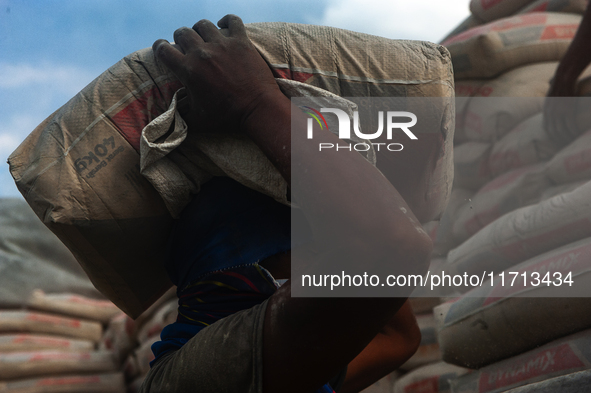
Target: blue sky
x,y
49,49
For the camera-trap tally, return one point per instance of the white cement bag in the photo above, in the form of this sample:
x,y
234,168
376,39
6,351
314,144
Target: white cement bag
x,y
119,337
525,145
35,342
16,365
96,383
489,50
558,358
73,305
432,378
43,323
471,170
525,233
445,240
570,6
166,315
489,10
560,189
468,23
570,383
489,324
519,94
508,192
31,257
573,162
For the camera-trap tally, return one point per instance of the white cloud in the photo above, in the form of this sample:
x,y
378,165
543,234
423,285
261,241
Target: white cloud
x,y
428,20
60,78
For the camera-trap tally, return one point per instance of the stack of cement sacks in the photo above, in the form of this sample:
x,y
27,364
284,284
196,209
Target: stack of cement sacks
x,y
130,341
521,203
48,336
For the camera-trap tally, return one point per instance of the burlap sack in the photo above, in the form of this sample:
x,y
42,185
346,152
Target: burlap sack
x,y
525,233
35,342
560,357
518,94
433,378
38,363
490,324
471,170
79,169
489,50
73,305
36,322
570,6
526,144
489,10
510,191
94,383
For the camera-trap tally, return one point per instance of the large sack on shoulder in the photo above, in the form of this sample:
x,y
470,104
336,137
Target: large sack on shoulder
x,y
510,191
511,98
525,233
558,358
488,323
526,144
489,50
30,254
80,169
489,10
570,6
432,378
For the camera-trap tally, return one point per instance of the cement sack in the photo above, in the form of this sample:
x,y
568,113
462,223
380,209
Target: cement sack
x,y
464,90
80,169
36,322
558,358
30,254
433,378
97,383
166,315
489,324
119,337
572,163
445,240
39,363
567,6
508,192
35,342
518,94
525,233
73,305
526,144
428,351
130,368
489,50
560,189
471,168
383,385
468,23
570,383
489,10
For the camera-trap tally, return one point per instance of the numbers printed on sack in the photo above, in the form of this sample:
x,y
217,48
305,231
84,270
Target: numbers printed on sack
x,y
101,155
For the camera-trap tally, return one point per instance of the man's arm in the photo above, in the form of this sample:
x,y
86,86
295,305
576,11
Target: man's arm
x,y
306,341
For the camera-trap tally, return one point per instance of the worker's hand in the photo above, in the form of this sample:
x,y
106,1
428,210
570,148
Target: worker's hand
x,y
560,111
224,75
